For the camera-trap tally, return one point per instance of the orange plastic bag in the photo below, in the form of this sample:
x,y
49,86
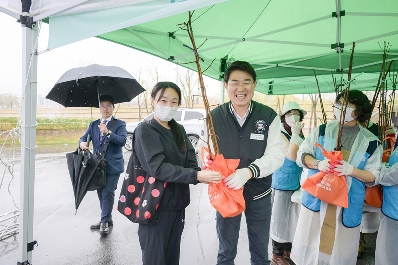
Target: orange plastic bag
x,y
228,202
328,187
389,141
374,196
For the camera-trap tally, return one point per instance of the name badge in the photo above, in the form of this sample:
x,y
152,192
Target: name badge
x,y
257,136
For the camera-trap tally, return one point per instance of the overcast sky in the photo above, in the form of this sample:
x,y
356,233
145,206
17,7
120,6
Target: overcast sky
x,y
51,65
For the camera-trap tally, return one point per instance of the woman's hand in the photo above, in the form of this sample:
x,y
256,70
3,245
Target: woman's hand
x,y
207,162
207,176
296,128
324,165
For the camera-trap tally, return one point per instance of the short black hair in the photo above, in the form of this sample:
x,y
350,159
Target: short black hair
x,y
240,66
363,107
107,98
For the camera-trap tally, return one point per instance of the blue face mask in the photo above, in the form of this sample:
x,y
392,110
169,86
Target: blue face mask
x,y
165,113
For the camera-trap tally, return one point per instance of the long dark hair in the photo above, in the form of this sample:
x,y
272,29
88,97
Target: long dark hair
x,y
177,130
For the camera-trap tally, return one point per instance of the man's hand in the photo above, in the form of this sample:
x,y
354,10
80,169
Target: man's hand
x,y
345,168
83,146
102,127
237,179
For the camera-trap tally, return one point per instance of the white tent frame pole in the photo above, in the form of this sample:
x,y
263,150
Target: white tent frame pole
x,y
28,140
338,33
146,41
373,38
363,14
374,63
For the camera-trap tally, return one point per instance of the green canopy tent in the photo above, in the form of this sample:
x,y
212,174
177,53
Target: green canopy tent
x,y
285,40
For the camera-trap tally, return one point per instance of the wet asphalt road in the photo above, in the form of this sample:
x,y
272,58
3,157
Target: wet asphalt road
x,y
64,237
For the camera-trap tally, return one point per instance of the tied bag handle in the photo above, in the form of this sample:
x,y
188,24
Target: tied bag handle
x,y
333,156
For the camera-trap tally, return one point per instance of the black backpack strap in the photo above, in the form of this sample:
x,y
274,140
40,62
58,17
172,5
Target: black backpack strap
x,y
113,122
322,129
372,147
286,135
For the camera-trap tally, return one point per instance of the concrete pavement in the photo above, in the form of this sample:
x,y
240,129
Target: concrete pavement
x,y
64,237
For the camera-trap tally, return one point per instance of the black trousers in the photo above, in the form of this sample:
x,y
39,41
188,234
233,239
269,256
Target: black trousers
x,y
160,242
278,248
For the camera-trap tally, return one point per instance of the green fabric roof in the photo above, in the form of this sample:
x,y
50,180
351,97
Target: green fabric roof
x,y
282,39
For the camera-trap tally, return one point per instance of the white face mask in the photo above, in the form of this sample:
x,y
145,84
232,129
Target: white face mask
x,y
165,113
290,120
348,113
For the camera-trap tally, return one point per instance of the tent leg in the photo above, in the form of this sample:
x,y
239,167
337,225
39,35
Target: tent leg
x,y
28,142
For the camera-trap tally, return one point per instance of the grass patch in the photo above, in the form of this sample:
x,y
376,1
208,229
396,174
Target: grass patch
x,y
45,124
60,131
50,138
71,138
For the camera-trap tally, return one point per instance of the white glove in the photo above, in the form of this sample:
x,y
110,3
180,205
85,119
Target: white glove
x,y
345,168
324,165
237,179
296,128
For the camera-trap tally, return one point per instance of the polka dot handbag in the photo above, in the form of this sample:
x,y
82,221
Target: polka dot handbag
x,y
140,194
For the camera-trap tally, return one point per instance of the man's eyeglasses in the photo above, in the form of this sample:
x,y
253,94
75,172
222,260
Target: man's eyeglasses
x,y
245,84
106,106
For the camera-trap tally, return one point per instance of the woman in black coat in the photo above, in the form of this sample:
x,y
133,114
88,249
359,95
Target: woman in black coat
x,y
165,153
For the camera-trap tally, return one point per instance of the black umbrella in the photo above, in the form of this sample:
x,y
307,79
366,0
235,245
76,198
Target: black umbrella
x,y
81,165
82,86
74,161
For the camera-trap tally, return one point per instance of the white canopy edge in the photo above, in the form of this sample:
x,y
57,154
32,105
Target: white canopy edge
x,y
71,28
10,11
44,8
83,6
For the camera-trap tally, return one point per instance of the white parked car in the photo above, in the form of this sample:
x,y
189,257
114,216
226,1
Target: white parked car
x,y
191,119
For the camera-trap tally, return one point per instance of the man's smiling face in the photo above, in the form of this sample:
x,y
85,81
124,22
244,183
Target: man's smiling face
x,y
240,88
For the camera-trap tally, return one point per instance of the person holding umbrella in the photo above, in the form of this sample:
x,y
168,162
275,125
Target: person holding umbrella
x,y
100,132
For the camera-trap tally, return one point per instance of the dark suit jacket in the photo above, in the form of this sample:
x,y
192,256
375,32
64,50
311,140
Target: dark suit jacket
x,y
117,139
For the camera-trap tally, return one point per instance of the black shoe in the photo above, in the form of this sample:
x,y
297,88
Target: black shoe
x,y
104,229
97,225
